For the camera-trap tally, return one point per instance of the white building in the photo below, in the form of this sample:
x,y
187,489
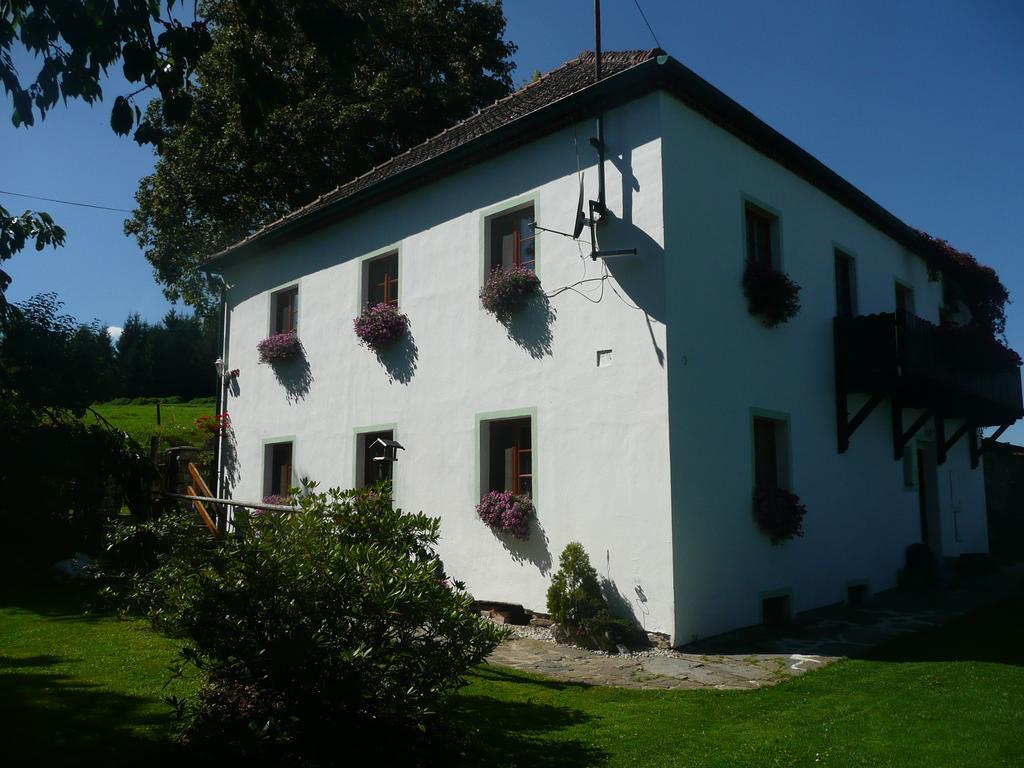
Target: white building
x,y
633,396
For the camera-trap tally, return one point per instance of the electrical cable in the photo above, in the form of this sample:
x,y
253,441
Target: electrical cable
x,y
644,17
65,202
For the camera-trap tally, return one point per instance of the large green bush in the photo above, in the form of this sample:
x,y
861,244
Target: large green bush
x,y
321,627
579,608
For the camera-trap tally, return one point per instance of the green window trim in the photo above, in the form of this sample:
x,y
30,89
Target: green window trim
x,y
499,209
271,308
359,432
517,413
747,200
364,263
265,444
784,417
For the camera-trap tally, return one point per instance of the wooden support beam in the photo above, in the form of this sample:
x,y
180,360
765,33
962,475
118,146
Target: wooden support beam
x,y
202,512
977,450
899,437
999,432
943,445
846,426
204,490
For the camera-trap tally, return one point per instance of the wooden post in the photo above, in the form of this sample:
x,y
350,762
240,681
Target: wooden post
x,y
205,491
202,512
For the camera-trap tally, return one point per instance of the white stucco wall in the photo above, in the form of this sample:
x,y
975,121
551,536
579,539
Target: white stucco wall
x,y
723,363
601,434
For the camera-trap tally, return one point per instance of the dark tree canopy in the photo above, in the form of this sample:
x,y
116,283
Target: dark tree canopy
x,y
344,85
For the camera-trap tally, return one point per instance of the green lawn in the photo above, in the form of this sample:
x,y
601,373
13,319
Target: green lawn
x,y
73,687
177,421
949,697
83,690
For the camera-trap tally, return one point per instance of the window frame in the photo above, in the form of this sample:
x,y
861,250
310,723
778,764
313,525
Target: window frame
x,y
359,455
483,422
274,298
760,208
267,447
783,447
903,286
394,249
488,215
839,252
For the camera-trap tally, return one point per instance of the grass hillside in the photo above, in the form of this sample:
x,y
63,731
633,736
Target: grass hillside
x,y
138,419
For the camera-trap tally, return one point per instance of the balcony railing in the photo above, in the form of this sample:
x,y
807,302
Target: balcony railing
x,y
924,366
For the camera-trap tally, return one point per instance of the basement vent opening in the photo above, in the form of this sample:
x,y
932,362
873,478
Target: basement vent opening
x,y
775,611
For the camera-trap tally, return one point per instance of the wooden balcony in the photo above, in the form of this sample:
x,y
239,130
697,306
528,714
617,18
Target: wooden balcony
x,y
918,365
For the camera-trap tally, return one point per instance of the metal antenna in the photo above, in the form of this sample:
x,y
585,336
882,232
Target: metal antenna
x,y
597,41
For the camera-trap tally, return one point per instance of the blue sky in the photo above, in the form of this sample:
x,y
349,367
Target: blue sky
x,y
920,104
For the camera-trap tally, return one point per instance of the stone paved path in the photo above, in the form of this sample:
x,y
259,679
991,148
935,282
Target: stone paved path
x,y
756,657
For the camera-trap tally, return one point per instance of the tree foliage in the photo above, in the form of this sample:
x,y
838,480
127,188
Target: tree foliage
x,y
579,608
61,476
172,357
344,85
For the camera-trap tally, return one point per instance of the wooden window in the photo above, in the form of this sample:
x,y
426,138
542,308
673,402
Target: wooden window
x,y
510,460
512,240
771,460
904,299
845,298
382,280
279,468
761,231
285,310
374,470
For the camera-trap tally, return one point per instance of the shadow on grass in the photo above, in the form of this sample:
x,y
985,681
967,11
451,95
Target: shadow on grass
x,y
58,720
527,732
64,602
992,634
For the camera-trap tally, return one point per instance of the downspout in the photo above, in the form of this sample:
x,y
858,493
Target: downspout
x,y
222,385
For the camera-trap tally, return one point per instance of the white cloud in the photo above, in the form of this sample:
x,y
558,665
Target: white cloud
x,y
114,332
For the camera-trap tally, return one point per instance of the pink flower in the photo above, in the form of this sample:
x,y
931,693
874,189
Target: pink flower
x,y
506,290
381,325
279,347
507,512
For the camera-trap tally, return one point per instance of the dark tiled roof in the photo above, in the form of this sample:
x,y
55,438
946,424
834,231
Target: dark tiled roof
x,y
570,90
570,78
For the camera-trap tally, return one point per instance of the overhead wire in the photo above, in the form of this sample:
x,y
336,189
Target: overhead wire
x,y
65,202
644,17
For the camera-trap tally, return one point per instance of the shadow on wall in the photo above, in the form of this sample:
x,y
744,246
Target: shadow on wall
x,y
295,376
621,607
530,327
533,550
399,360
229,461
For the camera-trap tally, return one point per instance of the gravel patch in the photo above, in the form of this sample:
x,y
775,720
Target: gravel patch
x,y
545,635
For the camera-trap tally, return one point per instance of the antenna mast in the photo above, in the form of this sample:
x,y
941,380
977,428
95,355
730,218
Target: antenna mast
x,y
597,41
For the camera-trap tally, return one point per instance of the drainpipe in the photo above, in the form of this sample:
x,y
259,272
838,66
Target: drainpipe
x,y
222,385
